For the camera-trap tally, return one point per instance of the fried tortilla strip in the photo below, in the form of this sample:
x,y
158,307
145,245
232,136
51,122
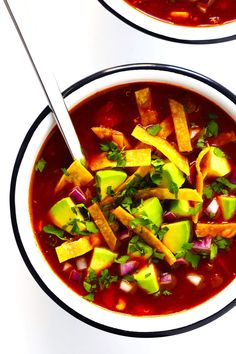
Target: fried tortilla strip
x,y
133,158
164,147
103,226
167,128
164,193
181,126
76,174
125,218
114,135
148,113
226,230
224,138
141,171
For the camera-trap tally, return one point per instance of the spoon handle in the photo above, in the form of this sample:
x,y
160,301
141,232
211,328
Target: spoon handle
x,y
54,96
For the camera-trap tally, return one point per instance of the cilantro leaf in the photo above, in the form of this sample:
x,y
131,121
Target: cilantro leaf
x,y
40,165
154,129
52,230
212,129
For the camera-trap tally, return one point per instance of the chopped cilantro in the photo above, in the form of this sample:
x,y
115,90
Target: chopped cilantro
x,y
110,191
147,275
212,129
201,140
162,232
52,230
213,251
65,172
173,188
40,165
142,221
114,153
154,129
166,292
89,297
192,258
208,192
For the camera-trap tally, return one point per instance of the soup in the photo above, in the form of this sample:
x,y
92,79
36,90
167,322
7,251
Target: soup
x,y
188,12
148,226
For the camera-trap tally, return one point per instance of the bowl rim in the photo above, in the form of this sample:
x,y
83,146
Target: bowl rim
x,y
13,183
177,39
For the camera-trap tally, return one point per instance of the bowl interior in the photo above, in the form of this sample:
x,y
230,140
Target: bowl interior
x,y
63,295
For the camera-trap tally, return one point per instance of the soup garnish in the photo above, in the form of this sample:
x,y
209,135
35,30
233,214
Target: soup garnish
x,y
147,226
188,12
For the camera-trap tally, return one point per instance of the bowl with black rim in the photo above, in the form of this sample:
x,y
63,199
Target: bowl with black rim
x,y
192,22
29,247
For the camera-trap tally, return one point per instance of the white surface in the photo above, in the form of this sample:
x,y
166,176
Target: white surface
x,y
80,37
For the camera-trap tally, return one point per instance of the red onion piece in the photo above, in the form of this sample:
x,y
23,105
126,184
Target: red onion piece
x,y
77,195
192,176
124,234
181,261
169,216
67,267
76,276
203,245
81,263
212,208
165,278
128,267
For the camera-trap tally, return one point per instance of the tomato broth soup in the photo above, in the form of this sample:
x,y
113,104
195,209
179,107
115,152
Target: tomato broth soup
x,y
188,12
147,226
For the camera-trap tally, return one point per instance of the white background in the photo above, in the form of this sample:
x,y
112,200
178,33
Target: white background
x,y
79,37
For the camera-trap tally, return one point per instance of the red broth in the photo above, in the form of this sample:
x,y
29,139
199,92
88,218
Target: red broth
x,y
188,12
117,109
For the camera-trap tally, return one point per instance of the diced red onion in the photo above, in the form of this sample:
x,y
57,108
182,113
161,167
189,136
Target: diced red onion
x,y
192,175
74,275
165,278
195,279
124,234
232,176
169,216
81,263
212,208
128,267
126,286
67,267
181,261
203,245
77,195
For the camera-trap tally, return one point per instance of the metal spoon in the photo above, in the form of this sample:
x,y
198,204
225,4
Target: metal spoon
x,y
54,96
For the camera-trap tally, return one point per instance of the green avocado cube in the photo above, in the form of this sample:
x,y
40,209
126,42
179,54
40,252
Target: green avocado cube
x,y
171,173
227,206
152,209
180,208
147,279
177,235
138,248
102,258
217,166
109,178
66,216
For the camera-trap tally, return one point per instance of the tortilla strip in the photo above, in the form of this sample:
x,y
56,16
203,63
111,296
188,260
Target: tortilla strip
x,y
224,138
226,230
125,218
148,113
76,174
201,174
103,226
133,158
181,126
164,147
167,128
111,134
164,193
141,171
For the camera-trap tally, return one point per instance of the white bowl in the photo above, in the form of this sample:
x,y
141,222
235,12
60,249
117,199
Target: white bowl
x,y
30,251
169,31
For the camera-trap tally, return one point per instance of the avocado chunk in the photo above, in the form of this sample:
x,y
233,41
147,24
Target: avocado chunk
x,y
109,178
152,209
180,208
177,235
147,279
171,173
102,258
227,206
217,166
66,215
72,249
138,248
